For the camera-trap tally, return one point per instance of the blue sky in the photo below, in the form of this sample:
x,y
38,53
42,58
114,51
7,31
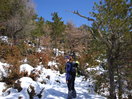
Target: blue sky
x,y
44,8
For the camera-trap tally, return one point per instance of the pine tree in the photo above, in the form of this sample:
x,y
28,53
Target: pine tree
x,y
58,28
111,23
38,32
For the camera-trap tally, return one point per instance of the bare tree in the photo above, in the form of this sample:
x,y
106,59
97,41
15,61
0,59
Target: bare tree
x,y
20,21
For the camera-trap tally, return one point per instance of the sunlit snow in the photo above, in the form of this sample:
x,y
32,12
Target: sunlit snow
x,y
54,87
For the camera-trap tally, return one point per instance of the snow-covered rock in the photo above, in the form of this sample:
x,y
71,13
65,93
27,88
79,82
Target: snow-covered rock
x,y
26,67
2,87
3,70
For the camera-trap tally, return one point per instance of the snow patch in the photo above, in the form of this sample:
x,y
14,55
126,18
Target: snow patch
x,y
26,67
4,38
52,63
2,86
54,88
3,69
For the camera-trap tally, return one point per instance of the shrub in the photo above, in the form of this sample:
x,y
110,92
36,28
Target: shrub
x,y
17,85
33,60
12,55
61,65
34,74
45,57
31,92
24,74
101,82
13,75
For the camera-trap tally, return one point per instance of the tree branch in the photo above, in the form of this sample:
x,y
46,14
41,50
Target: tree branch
x,y
108,44
77,13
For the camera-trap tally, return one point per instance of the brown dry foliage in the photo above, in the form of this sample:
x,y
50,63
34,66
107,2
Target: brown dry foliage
x,y
13,75
45,41
61,65
33,60
24,74
34,74
17,86
11,55
76,39
32,92
54,68
45,57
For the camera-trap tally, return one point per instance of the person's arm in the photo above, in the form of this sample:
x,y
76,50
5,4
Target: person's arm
x,y
68,70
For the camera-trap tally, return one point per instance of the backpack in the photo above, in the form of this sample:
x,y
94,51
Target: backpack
x,y
74,67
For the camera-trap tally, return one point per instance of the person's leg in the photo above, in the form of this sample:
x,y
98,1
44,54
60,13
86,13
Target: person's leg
x,y
73,82
73,87
69,84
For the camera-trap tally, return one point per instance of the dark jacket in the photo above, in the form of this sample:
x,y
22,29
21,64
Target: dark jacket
x,y
68,71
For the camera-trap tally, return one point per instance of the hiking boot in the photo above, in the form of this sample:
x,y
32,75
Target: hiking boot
x,y
69,95
74,94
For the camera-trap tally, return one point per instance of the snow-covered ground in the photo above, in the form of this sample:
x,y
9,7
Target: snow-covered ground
x,y
54,86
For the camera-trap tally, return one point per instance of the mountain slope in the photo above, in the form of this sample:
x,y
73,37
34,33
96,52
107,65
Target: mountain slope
x,y
49,84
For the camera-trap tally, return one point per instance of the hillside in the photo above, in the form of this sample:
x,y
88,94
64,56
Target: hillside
x,y
50,82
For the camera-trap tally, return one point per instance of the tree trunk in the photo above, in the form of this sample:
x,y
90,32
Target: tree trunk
x,y
14,40
111,75
118,65
120,84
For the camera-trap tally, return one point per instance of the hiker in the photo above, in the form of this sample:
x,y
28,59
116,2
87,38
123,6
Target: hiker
x,y
74,73
69,75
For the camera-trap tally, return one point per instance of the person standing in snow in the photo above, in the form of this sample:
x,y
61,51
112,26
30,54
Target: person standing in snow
x,y
74,72
69,78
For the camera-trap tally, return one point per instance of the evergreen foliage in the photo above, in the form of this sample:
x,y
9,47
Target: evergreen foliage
x,y
58,28
111,25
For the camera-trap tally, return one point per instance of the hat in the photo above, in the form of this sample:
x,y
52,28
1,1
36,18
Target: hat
x,y
67,57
